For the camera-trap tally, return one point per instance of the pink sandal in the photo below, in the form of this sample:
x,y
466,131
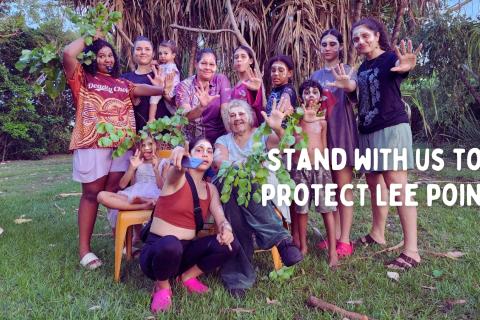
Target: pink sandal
x,y
194,285
161,300
344,249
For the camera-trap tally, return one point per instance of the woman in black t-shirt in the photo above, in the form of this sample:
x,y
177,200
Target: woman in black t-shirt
x,y
383,124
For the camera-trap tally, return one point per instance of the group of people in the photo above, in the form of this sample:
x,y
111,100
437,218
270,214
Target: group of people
x,y
222,122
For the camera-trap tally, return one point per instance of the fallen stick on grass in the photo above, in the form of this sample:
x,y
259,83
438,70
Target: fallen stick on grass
x,y
325,306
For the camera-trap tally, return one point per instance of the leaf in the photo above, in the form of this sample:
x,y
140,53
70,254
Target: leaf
x,y
110,128
437,273
104,142
290,140
225,197
360,301
1,231
393,275
257,198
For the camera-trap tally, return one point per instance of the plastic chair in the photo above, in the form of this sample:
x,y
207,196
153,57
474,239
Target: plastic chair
x,y
277,260
124,228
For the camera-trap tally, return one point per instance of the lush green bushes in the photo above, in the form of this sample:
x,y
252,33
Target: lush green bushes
x,y
31,126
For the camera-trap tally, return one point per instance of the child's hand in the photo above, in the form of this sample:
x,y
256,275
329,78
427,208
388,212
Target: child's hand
x,y
168,88
254,81
342,79
407,58
279,112
310,113
155,160
135,160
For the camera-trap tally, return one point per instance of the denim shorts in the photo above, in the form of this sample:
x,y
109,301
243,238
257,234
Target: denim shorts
x,y
395,137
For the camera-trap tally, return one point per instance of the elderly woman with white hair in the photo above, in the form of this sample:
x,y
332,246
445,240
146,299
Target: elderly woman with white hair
x,y
238,273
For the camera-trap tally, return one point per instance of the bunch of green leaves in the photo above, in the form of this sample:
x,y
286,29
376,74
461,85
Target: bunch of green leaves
x,y
96,18
167,130
250,175
44,62
45,65
283,274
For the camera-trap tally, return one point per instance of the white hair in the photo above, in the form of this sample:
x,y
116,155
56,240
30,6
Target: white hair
x,y
235,103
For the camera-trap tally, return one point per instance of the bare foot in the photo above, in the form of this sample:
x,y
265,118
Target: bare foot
x,y
333,260
304,250
138,200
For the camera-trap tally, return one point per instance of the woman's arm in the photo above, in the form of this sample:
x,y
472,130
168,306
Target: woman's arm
x,y
225,232
221,154
70,54
146,90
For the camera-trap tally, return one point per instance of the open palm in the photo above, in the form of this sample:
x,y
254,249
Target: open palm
x,y
407,57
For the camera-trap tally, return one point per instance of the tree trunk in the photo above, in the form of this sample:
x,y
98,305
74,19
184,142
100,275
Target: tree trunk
x,y
398,21
357,13
475,94
4,153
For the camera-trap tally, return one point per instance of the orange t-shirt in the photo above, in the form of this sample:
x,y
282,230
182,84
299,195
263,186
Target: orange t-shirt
x,y
99,98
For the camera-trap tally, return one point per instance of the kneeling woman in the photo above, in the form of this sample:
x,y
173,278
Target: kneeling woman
x,y
171,248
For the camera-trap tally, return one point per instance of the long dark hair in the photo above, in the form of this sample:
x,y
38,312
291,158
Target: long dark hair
x,y
338,35
248,51
376,26
95,47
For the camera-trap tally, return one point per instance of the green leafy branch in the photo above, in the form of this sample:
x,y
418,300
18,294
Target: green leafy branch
x,y
44,63
253,171
167,130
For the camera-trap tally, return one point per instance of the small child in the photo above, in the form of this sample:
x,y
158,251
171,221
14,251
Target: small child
x,y
316,129
281,73
167,51
146,181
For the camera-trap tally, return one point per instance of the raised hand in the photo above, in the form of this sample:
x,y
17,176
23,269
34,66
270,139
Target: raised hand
x,y
169,83
158,77
177,155
155,160
136,160
407,57
278,113
254,82
342,79
310,113
204,97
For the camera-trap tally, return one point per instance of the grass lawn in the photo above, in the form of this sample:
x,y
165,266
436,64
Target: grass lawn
x,y
40,277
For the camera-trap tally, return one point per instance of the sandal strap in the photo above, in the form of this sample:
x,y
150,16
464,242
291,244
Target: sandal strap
x,y
366,240
408,260
88,259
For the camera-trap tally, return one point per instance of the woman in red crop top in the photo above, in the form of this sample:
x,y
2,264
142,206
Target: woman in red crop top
x,y
171,248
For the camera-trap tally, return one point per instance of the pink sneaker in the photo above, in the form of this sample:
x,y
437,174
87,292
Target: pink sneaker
x,y
344,249
161,300
194,285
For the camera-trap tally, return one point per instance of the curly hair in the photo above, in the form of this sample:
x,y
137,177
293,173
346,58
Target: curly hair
x,y
95,47
309,84
376,26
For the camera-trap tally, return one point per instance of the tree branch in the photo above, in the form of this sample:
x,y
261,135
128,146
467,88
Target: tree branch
x,y
176,26
357,13
398,21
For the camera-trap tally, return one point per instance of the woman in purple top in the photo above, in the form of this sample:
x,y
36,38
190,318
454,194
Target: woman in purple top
x,y
342,128
203,96
249,86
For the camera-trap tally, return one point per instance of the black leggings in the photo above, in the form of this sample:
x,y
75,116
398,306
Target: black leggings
x,y
166,257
